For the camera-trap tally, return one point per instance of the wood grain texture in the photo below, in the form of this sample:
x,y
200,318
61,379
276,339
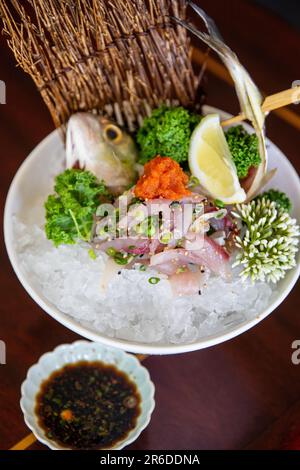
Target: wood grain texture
x,y
239,394
271,103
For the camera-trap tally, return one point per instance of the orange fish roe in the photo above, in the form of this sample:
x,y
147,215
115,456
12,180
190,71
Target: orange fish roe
x,y
67,415
163,177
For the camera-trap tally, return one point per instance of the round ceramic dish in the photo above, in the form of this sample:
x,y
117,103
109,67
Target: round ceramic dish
x,y
46,160
86,351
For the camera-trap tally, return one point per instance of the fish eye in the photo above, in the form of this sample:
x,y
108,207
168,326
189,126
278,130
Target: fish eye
x,y
112,133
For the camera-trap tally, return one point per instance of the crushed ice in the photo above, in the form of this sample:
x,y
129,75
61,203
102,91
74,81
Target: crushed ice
x,y
132,308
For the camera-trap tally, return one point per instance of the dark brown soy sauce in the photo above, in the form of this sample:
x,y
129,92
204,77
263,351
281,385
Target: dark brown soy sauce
x,y
88,405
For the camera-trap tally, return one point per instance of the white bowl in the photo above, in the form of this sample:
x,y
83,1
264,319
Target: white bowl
x,y
46,160
86,351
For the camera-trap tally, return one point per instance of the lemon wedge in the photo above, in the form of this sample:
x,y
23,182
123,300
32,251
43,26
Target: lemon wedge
x,y
211,162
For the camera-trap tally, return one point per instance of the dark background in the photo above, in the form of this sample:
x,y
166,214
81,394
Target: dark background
x,y
244,393
287,9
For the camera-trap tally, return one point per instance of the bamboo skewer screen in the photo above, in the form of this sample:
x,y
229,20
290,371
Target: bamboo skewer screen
x,y
116,57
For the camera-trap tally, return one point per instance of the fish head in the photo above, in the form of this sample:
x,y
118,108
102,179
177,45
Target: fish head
x,y
97,144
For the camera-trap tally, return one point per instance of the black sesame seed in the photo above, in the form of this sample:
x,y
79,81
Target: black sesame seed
x,y
119,272
199,292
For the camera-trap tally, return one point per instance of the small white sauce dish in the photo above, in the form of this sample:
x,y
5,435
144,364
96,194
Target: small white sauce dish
x,y
86,351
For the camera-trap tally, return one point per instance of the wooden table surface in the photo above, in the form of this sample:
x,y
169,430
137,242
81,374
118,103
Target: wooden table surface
x,y
244,393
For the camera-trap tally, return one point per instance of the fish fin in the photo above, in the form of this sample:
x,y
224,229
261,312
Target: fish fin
x,y
265,179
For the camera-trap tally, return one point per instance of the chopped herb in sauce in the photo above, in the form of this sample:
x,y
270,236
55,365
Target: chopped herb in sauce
x,y
88,405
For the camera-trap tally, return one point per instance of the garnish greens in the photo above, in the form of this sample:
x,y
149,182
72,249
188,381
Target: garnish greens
x,y
92,254
244,149
167,132
193,182
281,199
269,244
153,280
119,257
218,203
69,212
147,227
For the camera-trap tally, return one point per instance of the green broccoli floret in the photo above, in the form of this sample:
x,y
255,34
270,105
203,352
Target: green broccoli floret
x,y
244,149
281,199
167,132
69,212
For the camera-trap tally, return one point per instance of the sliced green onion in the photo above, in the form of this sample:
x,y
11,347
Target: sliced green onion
x,y
181,269
123,258
121,261
103,230
143,267
146,227
166,237
111,251
221,214
139,229
154,280
92,254
193,182
117,214
151,231
219,203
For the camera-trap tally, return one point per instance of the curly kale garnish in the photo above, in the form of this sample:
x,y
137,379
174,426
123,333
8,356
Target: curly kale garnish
x,y
279,197
167,132
244,149
69,212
